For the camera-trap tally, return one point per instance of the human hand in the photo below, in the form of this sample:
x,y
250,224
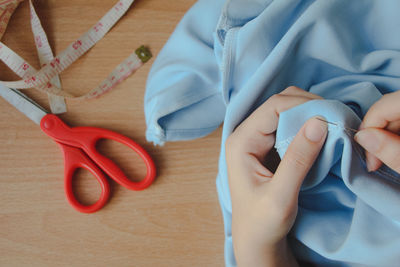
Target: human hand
x,y
379,133
264,204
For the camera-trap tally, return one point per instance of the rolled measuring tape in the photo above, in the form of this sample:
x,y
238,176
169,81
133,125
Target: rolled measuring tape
x,y
46,79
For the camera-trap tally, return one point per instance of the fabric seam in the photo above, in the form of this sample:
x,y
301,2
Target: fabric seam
x,y
286,142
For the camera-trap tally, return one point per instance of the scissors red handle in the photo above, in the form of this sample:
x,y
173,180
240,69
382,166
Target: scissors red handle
x,y
85,138
74,158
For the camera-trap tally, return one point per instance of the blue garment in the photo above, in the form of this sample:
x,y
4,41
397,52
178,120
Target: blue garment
x,y
225,58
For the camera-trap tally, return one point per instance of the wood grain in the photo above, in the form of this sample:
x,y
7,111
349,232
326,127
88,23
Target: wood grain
x,y
175,222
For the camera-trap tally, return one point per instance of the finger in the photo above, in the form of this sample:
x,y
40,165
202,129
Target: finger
x,y
248,145
394,127
383,144
383,111
238,158
244,169
299,158
296,91
373,163
256,132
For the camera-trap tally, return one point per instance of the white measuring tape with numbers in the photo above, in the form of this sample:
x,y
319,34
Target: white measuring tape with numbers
x,y
46,79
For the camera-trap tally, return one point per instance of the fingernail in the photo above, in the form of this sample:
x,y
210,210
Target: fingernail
x,y
367,140
370,164
374,162
315,130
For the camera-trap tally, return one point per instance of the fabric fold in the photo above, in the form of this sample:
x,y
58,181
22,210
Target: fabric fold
x,y
182,99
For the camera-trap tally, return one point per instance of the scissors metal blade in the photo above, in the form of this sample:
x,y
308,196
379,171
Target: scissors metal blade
x,y
23,103
333,123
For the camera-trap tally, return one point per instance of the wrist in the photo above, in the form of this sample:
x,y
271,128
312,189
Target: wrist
x,y
279,254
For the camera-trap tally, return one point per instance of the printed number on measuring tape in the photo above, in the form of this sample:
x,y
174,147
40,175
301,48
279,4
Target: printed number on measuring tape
x,y
46,79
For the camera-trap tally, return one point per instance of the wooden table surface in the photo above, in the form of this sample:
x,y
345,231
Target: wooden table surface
x,y
175,222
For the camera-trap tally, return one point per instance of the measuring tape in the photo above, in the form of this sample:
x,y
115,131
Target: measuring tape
x,y
7,8
46,79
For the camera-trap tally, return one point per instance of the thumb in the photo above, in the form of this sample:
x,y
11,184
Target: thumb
x,y
383,144
299,157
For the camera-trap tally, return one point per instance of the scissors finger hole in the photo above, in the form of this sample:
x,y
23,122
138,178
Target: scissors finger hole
x,y
85,187
127,159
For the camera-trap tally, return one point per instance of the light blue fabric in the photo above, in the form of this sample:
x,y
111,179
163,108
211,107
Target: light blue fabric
x,y
225,58
345,213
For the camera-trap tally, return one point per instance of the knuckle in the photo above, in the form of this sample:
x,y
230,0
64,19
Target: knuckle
x,y
298,159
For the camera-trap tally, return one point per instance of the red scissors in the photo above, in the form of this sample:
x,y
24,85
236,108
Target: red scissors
x,y
79,147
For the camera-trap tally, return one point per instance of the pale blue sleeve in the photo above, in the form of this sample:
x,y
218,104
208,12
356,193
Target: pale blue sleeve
x,y
182,99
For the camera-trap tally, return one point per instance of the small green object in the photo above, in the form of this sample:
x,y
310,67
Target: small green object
x,y
143,53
